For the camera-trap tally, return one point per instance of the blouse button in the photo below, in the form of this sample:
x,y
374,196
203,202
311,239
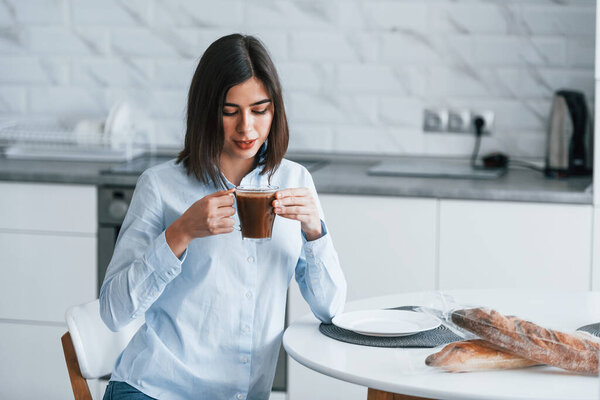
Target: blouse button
x,y
250,259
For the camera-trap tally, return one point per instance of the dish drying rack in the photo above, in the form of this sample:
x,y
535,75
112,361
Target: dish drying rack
x,y
55,142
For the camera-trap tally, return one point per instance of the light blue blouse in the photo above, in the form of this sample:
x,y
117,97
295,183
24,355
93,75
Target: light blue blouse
x,y
215,316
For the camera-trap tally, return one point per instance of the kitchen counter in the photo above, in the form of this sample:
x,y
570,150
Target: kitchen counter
x,y
341,174
518,184
71,172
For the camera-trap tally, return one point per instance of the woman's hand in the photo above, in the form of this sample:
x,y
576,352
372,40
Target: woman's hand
x,y
299,204
211,215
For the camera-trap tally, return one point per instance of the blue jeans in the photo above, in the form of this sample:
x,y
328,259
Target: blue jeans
x,y
122,391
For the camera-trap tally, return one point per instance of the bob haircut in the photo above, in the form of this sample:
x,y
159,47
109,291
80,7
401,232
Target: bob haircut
x,y
227,62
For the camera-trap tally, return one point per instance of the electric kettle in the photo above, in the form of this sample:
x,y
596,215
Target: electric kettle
x,y
569,149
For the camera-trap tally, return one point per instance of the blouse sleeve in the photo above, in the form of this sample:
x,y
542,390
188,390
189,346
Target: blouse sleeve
x,y
143,263
318,271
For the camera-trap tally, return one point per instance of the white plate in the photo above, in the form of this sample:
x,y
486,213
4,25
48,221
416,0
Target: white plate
x,y
386,322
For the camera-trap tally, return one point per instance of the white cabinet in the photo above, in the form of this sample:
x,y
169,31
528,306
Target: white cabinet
x,y
48,244
42,275
386,245
48,208
486,244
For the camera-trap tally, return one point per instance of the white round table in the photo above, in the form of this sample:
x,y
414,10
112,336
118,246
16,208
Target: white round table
x,y
403,371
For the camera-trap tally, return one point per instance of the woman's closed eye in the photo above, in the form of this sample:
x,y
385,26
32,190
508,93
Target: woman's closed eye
x,y
230,109
231,113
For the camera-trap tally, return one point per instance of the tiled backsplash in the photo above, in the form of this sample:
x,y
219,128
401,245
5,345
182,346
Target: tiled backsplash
x,y
357,74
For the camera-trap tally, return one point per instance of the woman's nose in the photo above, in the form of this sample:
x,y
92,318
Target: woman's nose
x,y
245,123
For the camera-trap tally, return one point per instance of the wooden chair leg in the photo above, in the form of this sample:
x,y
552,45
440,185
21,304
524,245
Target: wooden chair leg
x,y
81,390
374,394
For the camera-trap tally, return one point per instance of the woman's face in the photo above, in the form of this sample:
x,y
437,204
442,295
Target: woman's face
x,y
247,117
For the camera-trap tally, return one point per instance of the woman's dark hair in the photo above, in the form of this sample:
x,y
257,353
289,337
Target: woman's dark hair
x,y
227,62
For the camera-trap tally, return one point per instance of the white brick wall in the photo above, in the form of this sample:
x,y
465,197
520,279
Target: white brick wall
x,y
356,73
13,100
43,12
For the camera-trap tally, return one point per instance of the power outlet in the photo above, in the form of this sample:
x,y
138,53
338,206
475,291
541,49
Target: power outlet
x,y
460,121
435,120
488,117
456,120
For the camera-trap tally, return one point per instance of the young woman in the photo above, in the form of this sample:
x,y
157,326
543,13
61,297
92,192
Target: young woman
x,y
214,304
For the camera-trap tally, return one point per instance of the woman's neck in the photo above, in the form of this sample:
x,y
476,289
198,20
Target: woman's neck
x,y
235,170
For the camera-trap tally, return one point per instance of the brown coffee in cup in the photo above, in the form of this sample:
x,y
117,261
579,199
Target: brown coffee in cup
x,y
255,210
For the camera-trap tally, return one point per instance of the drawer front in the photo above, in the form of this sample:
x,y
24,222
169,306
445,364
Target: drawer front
x,y
48,207
32,365
515,245
42,275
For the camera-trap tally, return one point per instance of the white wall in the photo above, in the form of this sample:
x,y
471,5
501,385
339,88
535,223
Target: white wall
x,y
356,73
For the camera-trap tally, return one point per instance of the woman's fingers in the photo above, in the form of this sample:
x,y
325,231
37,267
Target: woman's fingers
x,y
293,210
227,223
303,218
222,216
288,201
216,200
224,200
293,192
295,203
221,193
296,197
222,212
220,225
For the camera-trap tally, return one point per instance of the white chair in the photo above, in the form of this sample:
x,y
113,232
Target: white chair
x,y
90,348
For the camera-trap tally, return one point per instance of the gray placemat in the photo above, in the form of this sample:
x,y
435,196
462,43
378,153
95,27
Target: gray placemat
x,y
433,338
594,329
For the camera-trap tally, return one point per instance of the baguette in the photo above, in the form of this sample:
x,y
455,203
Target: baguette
x,y
528,340
475,355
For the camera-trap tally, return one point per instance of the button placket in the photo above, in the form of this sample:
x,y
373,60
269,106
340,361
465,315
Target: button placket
x,y
249,264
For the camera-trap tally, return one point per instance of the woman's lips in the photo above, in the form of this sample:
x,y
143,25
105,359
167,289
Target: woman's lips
x,y
245,144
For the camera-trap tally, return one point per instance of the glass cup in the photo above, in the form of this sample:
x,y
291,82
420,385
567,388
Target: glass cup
x,y
255,210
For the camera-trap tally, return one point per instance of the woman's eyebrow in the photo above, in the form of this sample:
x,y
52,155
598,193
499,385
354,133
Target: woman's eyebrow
x,y
253,104
261,102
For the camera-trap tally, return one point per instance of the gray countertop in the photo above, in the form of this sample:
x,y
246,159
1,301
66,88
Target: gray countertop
x,y
342,174
71,172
